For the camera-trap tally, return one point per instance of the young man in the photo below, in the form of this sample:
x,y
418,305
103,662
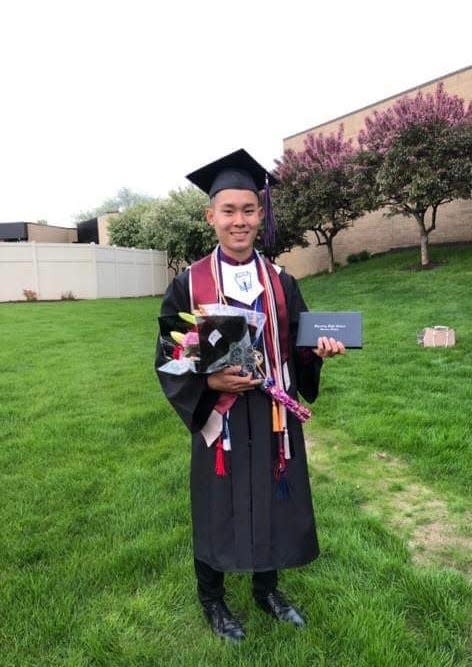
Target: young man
x,y
251,501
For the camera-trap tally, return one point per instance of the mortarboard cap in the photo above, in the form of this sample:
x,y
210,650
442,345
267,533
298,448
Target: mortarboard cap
x,y
236,171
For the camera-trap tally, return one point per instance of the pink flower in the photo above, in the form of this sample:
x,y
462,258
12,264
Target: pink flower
x,y
190,339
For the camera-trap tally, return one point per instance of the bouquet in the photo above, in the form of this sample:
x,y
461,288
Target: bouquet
x,y
207,342
218,336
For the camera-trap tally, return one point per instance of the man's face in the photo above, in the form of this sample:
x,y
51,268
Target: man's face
x,y
236,216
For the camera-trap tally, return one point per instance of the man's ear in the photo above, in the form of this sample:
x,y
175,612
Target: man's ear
x,y
209,215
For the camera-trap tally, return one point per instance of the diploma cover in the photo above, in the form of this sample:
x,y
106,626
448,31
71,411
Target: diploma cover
x,y
343,326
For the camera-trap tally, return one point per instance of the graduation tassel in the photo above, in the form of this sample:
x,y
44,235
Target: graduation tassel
x,y
275,417
280,466
269,225
225,437
282,490
220,469
281,417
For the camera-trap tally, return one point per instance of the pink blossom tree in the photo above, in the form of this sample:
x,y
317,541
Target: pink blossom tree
x,y
417,155
316,188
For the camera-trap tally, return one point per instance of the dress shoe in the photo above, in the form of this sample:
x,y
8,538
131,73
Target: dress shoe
x,y
222,621
276,605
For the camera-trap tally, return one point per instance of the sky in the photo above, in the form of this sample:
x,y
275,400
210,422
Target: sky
x,y
99,95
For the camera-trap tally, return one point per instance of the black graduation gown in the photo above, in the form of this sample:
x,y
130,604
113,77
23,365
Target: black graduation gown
x,y
239,523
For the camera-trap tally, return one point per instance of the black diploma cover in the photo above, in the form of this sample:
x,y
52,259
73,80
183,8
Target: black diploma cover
x,y
343,326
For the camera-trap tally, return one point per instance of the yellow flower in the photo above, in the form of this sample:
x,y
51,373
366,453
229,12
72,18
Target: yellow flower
x,y
187,317
177,336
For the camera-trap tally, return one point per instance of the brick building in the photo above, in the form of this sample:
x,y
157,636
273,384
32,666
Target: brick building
x,y
36,231
374,232
94,230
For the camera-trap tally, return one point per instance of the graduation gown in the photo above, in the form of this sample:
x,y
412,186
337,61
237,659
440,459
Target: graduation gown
x,y
239,523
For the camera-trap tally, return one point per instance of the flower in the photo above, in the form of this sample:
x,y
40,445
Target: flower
x,y
178,352
190,339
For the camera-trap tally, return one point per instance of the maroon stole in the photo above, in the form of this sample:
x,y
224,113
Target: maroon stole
x,y
204,291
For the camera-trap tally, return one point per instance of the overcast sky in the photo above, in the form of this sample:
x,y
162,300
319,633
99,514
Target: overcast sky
x,y
101,94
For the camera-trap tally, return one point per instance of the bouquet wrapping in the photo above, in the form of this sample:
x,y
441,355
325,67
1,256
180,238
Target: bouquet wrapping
x,y
216,337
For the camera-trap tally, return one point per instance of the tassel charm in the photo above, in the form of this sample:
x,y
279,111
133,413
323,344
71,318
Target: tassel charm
x,y
220,469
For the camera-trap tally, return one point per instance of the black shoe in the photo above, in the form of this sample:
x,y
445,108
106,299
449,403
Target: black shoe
x,y
276,605
222,621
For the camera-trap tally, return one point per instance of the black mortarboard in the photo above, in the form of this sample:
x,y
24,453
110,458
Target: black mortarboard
x,y
236,171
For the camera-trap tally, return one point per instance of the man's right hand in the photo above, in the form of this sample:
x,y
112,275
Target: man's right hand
x,y
229,380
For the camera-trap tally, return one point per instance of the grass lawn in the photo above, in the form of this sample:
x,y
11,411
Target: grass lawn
x,y
95,547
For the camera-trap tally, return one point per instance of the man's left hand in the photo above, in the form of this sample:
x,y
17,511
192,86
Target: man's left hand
x,y
329,347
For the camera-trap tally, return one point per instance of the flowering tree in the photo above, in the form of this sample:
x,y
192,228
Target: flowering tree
x,y
416,156
319,192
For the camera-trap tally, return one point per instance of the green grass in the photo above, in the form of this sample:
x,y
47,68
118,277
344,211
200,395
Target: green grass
x,y
395,394
95,547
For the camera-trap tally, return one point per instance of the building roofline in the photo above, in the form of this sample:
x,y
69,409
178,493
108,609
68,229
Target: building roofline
x,y
374,104
42,224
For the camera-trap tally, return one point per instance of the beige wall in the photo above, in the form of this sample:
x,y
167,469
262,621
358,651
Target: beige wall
x,y
51,234
88,271
377,233
458,83
374,232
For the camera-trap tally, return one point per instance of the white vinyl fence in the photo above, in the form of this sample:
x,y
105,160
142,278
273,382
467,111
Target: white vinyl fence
x,y
52,270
